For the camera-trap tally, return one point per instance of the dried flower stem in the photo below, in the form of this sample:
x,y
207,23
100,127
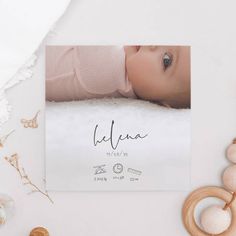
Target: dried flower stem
x,y
4,138
14,162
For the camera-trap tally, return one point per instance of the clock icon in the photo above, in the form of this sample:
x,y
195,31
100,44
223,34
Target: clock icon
x,y
118,168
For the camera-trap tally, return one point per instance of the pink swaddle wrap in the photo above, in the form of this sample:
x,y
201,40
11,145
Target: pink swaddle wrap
x,y
83,72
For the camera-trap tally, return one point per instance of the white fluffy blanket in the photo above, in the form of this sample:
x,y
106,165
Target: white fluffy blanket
x,y
162,157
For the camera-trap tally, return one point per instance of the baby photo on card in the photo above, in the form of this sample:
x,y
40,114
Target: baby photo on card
x,y
118,117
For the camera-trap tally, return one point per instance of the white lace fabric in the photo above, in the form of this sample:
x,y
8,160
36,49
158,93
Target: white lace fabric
x,y
24,24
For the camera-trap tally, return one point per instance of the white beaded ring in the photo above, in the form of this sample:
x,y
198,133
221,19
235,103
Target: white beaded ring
x,y
195,197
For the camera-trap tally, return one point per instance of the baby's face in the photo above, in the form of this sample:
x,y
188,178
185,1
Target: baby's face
x,y
160,73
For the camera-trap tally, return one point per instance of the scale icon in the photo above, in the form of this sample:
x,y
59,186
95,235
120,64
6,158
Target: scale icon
x,y
99,169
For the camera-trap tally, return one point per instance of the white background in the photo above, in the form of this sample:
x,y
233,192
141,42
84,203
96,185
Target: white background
x,y
208,26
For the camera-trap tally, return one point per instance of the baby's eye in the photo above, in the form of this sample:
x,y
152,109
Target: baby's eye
x,y
167,60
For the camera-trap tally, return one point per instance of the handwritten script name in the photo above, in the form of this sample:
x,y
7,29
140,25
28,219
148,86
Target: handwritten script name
x,y
114,141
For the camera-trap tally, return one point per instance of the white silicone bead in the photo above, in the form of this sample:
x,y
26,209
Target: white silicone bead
x,y
229,178
3,215
231,153
6,208
215,220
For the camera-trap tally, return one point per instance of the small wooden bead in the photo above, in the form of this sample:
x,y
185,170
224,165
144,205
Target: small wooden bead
x,y
215,220
39,231
229,178
231,153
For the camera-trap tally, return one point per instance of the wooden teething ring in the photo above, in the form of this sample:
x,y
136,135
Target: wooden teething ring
x,y
195,197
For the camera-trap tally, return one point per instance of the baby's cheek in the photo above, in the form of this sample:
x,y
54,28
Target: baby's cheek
x,y
140,74
136,79
132,70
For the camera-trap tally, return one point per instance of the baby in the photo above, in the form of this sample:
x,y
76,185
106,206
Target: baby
x,y
159,74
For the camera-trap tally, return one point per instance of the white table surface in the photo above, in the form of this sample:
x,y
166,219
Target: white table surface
x,y
203,25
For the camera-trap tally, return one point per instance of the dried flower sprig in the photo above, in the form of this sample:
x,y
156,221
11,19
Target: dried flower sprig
x,y
4,138
14,162
31,123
